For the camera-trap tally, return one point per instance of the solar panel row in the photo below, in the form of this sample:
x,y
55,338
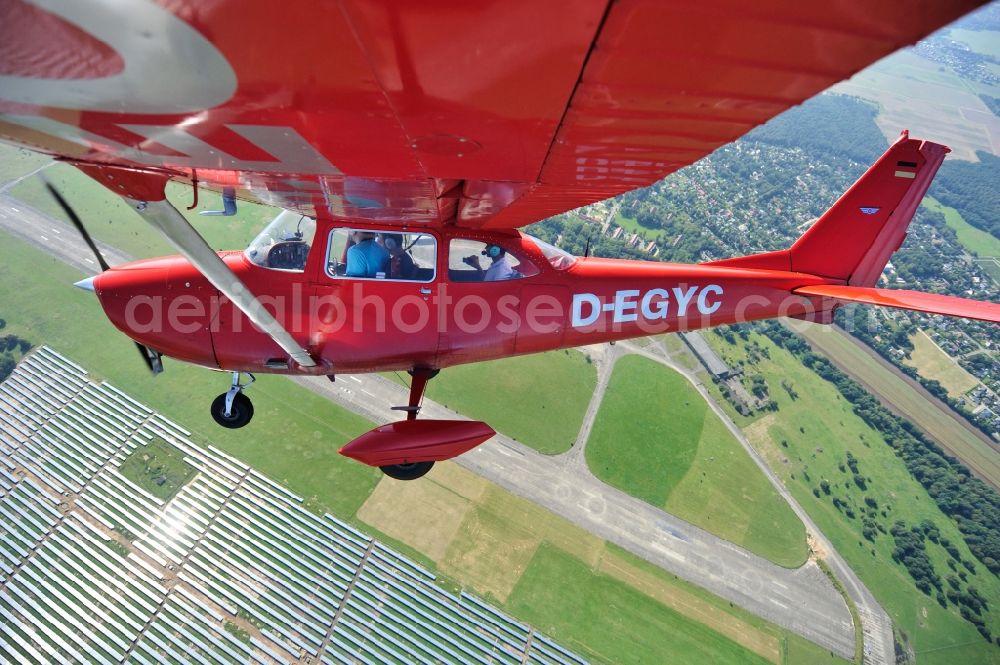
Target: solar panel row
x,y
231,569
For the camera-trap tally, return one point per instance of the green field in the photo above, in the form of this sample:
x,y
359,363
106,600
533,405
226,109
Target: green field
x,y
16,162
975,240
632,225
600,616
539,400
943,427
806,442
656,438
159,468
991,267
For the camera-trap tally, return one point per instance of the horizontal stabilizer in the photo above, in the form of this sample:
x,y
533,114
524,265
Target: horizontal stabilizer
x,y
921,302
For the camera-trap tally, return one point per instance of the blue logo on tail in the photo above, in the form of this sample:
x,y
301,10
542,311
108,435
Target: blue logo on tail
x,y
870,211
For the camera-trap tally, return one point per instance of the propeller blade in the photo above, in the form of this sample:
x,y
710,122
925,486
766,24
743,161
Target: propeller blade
x,y
149,356
77,223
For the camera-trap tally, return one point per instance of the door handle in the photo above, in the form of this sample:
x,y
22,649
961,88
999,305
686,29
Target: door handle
x,y
425,291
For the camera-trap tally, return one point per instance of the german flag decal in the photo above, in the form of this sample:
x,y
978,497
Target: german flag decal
x,y
906,170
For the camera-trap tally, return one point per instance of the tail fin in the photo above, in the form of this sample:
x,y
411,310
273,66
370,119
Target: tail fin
x,y
854,239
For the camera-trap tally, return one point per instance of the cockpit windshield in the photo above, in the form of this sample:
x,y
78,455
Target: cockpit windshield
x,y
284,243
559,258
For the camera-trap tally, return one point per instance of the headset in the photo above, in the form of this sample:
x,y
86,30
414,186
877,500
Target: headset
x,y
493,251
391,241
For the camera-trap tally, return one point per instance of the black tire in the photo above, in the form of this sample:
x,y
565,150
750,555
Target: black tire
x,y
239,415
407,471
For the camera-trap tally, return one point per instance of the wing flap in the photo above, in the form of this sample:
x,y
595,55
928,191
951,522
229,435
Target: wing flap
x,y
930,303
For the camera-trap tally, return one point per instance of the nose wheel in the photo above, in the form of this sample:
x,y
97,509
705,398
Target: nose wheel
x,y
233,409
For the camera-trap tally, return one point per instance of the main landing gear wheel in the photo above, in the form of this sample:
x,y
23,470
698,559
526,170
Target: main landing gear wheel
x,y
413,470
407,471
233,409
239,414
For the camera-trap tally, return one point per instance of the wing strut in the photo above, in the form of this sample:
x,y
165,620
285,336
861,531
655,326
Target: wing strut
x,y
145,191
163,216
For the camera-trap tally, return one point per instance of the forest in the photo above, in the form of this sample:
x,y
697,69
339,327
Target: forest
x,y
848,129
973,189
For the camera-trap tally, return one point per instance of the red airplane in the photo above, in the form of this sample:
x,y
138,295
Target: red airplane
x,y
407,142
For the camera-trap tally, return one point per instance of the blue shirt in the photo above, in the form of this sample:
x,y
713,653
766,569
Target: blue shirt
x,y
367,259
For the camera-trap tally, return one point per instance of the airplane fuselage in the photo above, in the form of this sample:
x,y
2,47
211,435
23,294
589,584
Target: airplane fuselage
x,y
357,325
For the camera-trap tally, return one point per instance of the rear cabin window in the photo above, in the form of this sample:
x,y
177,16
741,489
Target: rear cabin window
x,y
375,254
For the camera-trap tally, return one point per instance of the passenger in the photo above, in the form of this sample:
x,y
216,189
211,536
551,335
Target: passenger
x,y
366,258
401,265
499,269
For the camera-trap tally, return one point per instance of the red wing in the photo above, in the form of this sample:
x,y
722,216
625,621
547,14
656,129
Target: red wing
x,y
486,114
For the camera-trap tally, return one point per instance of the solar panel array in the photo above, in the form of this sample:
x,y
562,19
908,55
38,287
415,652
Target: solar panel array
x,y
232,568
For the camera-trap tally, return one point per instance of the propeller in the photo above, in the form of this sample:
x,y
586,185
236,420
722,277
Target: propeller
x,y
149,356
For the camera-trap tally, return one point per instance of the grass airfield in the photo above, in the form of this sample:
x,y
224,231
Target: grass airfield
x,y
656,438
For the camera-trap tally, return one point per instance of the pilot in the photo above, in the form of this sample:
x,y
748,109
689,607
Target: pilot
x,y
499,268
366,258
401,264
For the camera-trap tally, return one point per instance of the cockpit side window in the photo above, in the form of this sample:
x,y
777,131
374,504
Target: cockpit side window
x,y
381,254
476,261
284,244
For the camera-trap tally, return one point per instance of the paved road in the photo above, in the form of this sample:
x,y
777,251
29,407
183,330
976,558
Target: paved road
x,y
53,236
802,600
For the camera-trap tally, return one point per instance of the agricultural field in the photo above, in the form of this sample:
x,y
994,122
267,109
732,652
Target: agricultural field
x,y
986,42
991,267
928,99
656,438
935,364
539,400
855,488
942,426
977,241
